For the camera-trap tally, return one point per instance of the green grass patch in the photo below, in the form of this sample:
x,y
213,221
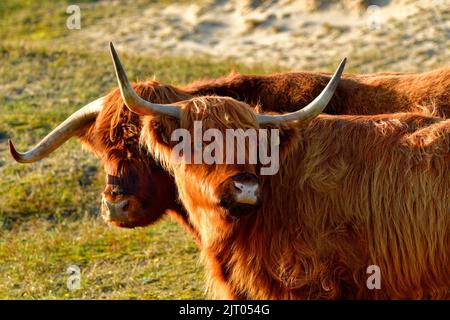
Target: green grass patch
x,y
46,19
49,210
114,263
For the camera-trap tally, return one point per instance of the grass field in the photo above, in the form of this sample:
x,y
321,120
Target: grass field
x,y
49,211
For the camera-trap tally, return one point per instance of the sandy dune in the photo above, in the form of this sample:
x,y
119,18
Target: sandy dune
x,y
396,35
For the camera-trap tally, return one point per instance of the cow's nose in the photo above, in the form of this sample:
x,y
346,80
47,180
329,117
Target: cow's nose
x,y
115,210
242,188
247,193
240,194
246,189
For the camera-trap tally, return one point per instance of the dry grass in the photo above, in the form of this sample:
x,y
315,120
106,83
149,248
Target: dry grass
x,y
49,210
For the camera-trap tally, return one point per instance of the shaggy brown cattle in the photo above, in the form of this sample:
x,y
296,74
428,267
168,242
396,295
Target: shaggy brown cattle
x,y
108,129
385,92
351,192
137,192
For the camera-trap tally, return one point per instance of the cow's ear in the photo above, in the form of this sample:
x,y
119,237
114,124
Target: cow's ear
x,y
288,141
287,138
86,137
163,128
233,71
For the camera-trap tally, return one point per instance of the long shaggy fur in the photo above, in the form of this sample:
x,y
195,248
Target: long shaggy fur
x,y
356,94
352,191
114,138
114,135
117,129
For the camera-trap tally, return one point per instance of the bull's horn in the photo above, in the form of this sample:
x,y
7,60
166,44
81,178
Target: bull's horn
x,y
67,129
314,108
134,102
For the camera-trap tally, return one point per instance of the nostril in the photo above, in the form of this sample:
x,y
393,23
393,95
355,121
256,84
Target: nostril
x,y
116,210
122,205
109,205
247,192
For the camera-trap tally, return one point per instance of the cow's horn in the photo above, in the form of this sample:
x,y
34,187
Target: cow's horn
x,y
67,129
134,102
314,108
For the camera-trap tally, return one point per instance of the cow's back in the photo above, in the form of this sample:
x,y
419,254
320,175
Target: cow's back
x,y
369,94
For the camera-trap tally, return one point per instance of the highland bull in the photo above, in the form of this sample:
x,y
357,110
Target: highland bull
x,y
138,192
352,191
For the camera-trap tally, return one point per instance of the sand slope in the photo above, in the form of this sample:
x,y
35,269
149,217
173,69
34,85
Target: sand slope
x,y
398,35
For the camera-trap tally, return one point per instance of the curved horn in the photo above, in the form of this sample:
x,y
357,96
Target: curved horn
x,y
134,102
67,129
314,108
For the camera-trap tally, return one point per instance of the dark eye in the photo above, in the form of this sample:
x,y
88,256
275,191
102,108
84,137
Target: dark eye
x,y
116,191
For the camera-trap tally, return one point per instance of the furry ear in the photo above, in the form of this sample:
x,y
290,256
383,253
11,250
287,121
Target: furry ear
x,y
288,141
287,138
86,137
233,72
163,128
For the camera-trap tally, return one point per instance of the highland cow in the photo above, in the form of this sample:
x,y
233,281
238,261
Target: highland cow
x,y
351,192
138,192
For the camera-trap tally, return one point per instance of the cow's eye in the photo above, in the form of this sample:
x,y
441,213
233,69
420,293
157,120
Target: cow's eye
x,y
164,138
117,191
